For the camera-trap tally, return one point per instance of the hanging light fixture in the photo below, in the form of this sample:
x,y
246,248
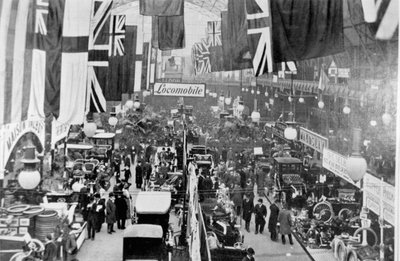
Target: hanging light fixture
x,y
29,177
346,108
373,123
276,95
266,92
290,99
113,120
356,165
258,91
321,104
386,117
221,97
301,99
228,100
252,91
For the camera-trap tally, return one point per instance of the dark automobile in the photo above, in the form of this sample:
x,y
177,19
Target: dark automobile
x,y
227,234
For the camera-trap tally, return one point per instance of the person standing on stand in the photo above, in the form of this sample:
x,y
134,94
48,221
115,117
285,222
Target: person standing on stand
x,y
139,175
248,209
110,213
50,249
285,224
273,219
92,218
100,208
260,213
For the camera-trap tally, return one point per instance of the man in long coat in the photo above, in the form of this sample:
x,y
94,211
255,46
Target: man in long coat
x,y
260,213
273,219
248,208
139,175
285,224
121,210
110,213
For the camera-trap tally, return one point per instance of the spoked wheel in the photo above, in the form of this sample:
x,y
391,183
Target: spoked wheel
x,y
345,214
323,211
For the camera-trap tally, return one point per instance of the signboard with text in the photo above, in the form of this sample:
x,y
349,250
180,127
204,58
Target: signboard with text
x,y
194,90
313,140
58,131
336,163
379,194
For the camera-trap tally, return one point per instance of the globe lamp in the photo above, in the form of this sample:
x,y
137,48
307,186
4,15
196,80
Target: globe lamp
x,y
255,116
290,133
89,128
129,104
266,94
252,91
29,177
356,165
228,100
301,100
386,118
373,123
136,104
240,107
290,99
113,121
258,92
346,109
321,104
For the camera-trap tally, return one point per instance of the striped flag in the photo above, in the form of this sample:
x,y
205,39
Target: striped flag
x,y
17,27
259,35
201,57
98,55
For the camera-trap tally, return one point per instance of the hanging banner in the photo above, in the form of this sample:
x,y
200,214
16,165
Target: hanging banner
x,y
14,131
58,131
336,163
379,194
180,89
313,140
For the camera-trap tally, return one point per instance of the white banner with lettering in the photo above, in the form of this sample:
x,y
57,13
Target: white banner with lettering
x,y
379,194
180,89
58,131
14,131
313,140
336,163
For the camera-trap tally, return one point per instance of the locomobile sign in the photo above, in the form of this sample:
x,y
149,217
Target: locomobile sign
x,y
180,89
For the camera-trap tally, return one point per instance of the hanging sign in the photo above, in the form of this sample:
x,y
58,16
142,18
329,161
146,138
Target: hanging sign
x,y
58,131
336,163
313,140
14,131
379,197
180,89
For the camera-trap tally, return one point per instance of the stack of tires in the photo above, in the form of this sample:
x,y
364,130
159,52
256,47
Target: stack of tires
x,y
45,224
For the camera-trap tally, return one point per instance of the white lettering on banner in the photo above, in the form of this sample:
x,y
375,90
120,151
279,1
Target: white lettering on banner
x,y
373,189
180,89
336,163
313,140
14,131
59,131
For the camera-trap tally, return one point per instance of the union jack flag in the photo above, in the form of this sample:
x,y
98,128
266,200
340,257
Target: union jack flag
x,y
259,35
201,57
99,45
117,36
42,10
214,33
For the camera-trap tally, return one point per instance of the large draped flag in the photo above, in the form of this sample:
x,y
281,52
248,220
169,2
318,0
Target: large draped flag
x,y
17,28
201,57
306,29
161,7
215,43
171,32
236,53
43,55
259,35
98,55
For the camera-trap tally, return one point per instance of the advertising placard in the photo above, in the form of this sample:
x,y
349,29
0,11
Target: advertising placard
x,y
194,90
379,194
313,140
336,163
